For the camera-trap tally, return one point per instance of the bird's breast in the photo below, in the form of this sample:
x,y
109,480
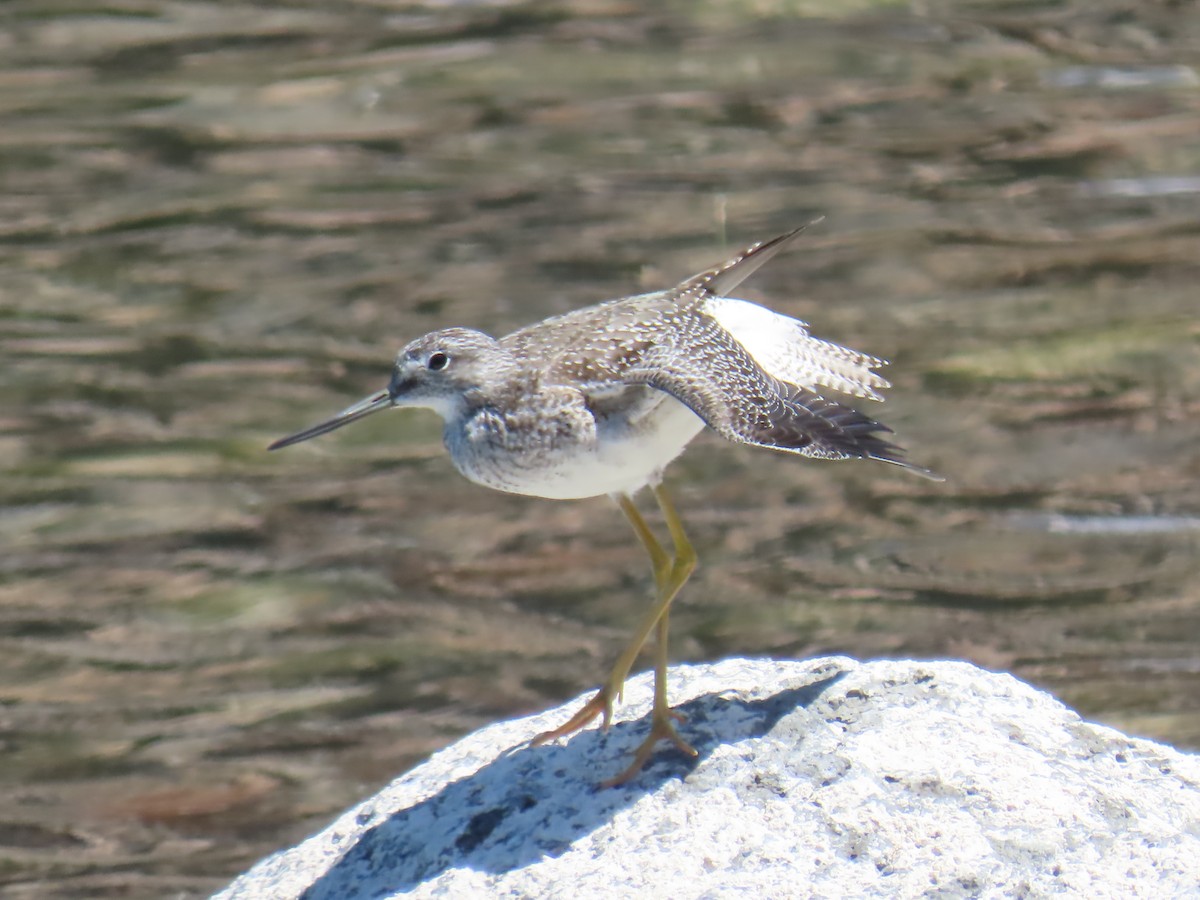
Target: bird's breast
x,y
569,451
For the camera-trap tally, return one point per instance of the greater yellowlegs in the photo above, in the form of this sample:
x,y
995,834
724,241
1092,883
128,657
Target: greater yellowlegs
x,y
600,400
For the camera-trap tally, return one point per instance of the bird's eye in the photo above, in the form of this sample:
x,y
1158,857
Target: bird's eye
x,y
437,361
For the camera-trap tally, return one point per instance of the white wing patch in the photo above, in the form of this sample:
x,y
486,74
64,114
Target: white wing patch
x,y
785,349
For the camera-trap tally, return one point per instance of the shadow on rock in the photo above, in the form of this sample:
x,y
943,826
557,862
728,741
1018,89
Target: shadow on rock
x,y
534,802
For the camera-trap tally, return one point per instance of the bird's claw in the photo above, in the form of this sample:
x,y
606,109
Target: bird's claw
x,y
660,729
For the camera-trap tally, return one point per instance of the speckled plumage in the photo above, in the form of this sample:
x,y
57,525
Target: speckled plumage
x,y
600,400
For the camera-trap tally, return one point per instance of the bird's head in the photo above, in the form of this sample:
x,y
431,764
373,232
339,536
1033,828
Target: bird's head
x,y
444,371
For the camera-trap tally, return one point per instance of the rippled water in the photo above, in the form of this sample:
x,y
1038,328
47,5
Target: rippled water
x,y
219,221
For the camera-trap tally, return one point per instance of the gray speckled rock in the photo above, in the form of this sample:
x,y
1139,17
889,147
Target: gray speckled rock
x,y
827,778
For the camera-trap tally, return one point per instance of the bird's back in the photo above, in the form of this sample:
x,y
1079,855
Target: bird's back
x,y
596,347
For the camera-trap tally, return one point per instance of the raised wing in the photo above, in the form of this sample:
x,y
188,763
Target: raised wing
x,y
748,372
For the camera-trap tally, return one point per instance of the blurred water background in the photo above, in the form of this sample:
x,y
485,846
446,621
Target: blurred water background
x,y
218,221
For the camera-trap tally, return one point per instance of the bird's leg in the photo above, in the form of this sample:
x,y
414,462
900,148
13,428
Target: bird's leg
x,y
602,703
671,571
669,579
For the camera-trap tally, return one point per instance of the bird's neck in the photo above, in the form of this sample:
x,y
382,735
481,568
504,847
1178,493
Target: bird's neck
x,y
511,390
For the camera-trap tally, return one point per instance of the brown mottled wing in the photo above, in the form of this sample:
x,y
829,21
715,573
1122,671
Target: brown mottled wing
x,y
713,374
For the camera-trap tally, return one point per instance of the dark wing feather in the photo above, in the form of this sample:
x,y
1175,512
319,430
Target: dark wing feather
x,y
720,280
712,373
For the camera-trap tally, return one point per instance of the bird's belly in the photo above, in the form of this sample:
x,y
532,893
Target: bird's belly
x,y
621,459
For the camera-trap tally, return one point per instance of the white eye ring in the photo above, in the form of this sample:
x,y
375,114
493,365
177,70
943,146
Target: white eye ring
x,y
437,361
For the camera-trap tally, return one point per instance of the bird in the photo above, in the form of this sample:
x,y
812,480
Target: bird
x,y
599,401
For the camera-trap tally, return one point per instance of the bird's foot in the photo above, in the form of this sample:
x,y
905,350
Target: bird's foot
x,y
661,728
599,705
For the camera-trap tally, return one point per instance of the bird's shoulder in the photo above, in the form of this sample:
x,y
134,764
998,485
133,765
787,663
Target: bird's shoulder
x,y
594,347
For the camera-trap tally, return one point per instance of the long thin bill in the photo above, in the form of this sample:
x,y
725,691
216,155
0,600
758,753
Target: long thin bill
x,y
360,410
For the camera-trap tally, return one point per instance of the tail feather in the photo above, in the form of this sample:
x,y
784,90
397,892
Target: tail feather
x,y
806,423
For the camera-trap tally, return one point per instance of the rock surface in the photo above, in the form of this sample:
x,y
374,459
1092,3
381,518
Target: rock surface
x,y
826,778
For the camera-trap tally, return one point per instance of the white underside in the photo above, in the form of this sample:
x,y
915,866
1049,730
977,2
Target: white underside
x,y
785,349
621,461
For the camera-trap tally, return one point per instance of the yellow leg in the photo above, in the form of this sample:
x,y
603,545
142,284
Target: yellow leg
x,y
675,576
670,574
